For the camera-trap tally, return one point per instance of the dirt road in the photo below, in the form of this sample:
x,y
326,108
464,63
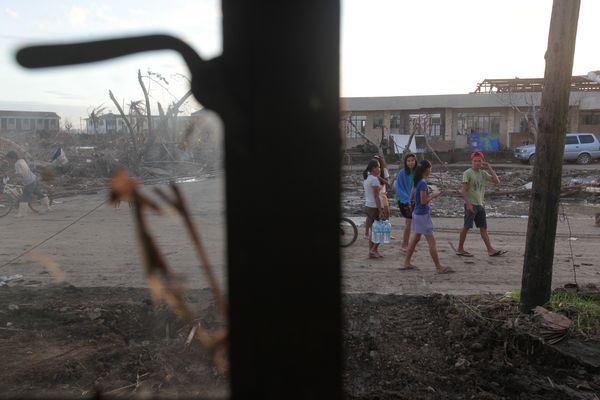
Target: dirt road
x,y
480,274
99,332
100,249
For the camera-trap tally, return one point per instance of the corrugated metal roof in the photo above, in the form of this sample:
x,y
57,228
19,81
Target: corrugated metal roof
x,y
471,100
28,114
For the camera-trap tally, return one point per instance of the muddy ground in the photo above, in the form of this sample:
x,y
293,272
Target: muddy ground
x,y
74,341
97,330
406,347
78,342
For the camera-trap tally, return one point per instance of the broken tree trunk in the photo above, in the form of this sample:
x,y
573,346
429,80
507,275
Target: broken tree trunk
x,y
543,207
163,127
172,111
151,134
174,108
129,128
362,134
434,152
407,147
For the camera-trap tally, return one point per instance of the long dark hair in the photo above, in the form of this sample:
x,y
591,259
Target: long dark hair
x,y
381,160
372,164
407,170
422,166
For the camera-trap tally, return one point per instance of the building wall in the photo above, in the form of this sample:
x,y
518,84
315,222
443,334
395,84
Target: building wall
x,y
573,120
590,129
510,127
461,140
448,125
510,134
29,124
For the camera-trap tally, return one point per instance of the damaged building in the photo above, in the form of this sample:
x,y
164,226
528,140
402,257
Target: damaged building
x,y
29,121
499,114
111,123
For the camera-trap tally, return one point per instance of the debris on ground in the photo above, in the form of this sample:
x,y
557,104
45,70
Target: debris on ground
x,y
112,341
554,327
6,280
83,164
510,198
475,347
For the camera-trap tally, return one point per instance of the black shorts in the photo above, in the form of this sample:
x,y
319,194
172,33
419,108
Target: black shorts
x,y
406,209
478,217
372,212
30,190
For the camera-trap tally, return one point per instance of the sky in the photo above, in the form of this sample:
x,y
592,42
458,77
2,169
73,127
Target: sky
x,y
388,47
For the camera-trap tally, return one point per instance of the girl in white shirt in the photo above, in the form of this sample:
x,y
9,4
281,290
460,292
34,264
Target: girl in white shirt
x,y
373,204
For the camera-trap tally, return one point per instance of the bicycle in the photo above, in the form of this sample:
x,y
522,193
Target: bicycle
x,y
348,232
11,195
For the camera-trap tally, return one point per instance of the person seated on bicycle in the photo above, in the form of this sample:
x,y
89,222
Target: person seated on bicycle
x,y
30,184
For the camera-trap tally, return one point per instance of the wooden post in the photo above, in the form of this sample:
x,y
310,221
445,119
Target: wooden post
x,y
547,170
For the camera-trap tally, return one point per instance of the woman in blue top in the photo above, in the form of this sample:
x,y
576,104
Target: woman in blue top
x,y
421,221
404,185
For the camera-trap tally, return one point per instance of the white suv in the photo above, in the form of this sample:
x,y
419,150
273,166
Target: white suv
x,y
579,147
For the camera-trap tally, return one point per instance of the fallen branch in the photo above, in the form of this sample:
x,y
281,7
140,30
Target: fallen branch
x,y
136,384
12,329
162,282
178,202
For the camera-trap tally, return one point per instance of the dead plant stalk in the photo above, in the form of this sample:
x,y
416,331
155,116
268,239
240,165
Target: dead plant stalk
x,y
162,282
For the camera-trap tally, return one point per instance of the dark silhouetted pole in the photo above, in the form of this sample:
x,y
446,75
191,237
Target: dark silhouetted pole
x,y
547,170
276,86
281,63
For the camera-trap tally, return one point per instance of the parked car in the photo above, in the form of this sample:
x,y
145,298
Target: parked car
x,y
579,147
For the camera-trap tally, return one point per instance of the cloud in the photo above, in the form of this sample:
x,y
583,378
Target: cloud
x,y
12,13
113,21
101,17
78,16
63,95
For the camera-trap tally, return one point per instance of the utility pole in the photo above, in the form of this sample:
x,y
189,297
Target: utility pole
x,y
545,196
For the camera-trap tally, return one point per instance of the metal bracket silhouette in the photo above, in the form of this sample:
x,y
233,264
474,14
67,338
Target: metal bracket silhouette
x,y
208,85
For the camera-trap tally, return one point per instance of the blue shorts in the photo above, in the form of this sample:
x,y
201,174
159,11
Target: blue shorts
x,y
478,217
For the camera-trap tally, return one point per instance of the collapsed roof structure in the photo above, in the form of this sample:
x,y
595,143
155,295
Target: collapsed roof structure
x,y
579,83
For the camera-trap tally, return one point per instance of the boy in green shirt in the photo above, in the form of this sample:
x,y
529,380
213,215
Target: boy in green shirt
x,y
473,192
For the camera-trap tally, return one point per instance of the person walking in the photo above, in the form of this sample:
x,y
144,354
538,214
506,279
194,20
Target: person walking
x,y
383,177
384,181
404,186
30,184
421,220
373,204
473,192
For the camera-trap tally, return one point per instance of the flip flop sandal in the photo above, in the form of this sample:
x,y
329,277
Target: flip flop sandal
x,y
465,254
408,268
445,270
498,253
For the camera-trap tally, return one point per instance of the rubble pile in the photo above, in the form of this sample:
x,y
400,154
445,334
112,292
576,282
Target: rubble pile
x,y
511,197
80,164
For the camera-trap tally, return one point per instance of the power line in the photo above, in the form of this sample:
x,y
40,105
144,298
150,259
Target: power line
x,y
54,235
77,220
